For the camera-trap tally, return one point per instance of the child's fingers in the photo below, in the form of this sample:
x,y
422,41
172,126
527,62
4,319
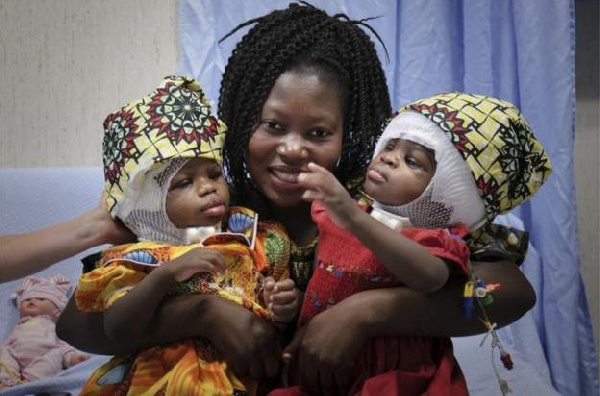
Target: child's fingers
x,y
269,283
313,180
285,285
185,272
317,168
201,256
312,195
286,297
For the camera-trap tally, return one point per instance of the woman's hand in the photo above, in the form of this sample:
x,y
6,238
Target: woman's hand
x,y
248,343
24,254
108,230
325,349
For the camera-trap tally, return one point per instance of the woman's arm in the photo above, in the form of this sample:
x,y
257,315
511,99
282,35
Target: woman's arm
x,y
329,342
248,342
24,254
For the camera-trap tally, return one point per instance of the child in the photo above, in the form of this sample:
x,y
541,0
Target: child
x,y
162,163
33,351
442,168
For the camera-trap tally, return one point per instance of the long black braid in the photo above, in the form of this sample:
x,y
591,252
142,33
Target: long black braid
x,y
304,37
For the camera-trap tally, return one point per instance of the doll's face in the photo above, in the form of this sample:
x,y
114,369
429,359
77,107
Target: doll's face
x,y
400,173
38,306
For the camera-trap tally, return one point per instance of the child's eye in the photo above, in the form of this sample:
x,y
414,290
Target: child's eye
x,y
181,183
391,145
215,175
413,163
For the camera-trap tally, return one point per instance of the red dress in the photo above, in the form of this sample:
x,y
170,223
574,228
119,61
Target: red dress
x,y
386,365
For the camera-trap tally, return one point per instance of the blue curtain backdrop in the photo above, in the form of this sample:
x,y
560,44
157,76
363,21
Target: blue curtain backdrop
x,y
517,50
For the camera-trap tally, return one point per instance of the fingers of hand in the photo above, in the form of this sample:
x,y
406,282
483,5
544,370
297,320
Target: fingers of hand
x,y
269,283
215,258
284,285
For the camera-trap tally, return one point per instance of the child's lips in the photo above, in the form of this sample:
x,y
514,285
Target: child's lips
x,y
376,176
214,209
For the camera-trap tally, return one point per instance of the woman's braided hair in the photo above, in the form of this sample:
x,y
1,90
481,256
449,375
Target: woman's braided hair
x,y
304,38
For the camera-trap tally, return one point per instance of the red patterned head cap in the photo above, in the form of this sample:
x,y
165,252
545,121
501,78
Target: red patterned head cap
x,y
173,122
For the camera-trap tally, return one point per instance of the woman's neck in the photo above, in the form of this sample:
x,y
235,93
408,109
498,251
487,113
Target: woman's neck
x,y
297,221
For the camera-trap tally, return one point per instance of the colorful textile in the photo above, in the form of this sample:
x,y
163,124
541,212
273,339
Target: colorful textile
x,y
174,121
191,367
507,162
394,364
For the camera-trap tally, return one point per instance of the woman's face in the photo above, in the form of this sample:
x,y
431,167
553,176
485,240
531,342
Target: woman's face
x,y
300,122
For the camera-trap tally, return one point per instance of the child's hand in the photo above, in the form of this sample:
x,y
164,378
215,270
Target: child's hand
x,y
196,260
282,298
74,358
322,185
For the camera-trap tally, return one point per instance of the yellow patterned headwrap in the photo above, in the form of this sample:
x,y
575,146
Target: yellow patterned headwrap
x,y
174,121
508,163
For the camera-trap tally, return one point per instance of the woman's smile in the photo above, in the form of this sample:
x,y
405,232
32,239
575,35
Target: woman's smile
x,y
301,122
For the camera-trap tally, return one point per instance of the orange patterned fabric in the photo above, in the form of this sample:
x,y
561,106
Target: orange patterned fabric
x,y
190,367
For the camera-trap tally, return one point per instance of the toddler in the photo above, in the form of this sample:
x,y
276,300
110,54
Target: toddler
x,y
33,351
162,164
443,167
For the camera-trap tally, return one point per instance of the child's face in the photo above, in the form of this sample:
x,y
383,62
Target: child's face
x,y
400,172
198,194
36,306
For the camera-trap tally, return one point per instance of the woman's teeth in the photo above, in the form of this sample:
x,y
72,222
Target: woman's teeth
x,y
286,176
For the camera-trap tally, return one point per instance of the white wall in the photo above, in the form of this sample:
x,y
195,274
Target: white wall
x,y
66,64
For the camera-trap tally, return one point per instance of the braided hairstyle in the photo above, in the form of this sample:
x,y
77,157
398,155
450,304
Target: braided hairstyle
x,y
304,38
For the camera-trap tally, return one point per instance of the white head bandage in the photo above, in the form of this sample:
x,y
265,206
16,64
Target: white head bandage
x,y
451,197
143,206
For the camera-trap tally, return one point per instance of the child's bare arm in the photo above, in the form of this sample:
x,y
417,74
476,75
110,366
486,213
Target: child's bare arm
x,y
407,260
133,313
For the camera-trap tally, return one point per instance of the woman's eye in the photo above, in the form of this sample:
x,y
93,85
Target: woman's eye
x,y
319,133
272,126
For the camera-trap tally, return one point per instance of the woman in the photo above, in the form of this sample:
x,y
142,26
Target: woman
x,y
304,87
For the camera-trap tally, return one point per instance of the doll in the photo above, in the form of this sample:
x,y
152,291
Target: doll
x,y
33,351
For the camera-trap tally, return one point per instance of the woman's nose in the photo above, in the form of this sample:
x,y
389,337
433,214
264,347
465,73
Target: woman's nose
x,y
292,148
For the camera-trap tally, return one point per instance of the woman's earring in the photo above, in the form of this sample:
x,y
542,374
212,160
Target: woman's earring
x,y
337,163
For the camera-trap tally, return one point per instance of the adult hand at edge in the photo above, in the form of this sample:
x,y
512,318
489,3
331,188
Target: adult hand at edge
x,y
248,342
325,350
